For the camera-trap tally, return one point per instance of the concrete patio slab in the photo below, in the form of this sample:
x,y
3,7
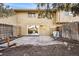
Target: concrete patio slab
x,y
34,40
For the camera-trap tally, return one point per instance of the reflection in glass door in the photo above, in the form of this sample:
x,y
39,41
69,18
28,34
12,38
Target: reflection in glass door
x,y
33,30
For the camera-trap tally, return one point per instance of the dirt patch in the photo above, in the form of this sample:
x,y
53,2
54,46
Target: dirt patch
x,y
71,49
50,50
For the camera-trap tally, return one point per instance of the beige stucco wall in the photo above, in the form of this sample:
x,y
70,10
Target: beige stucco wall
x,y
24,21
11,20
21,20
16,31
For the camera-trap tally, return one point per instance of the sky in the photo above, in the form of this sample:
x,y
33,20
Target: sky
x,y
22,5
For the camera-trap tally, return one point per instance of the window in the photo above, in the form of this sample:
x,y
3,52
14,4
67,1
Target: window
x,y
33,29
31,14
